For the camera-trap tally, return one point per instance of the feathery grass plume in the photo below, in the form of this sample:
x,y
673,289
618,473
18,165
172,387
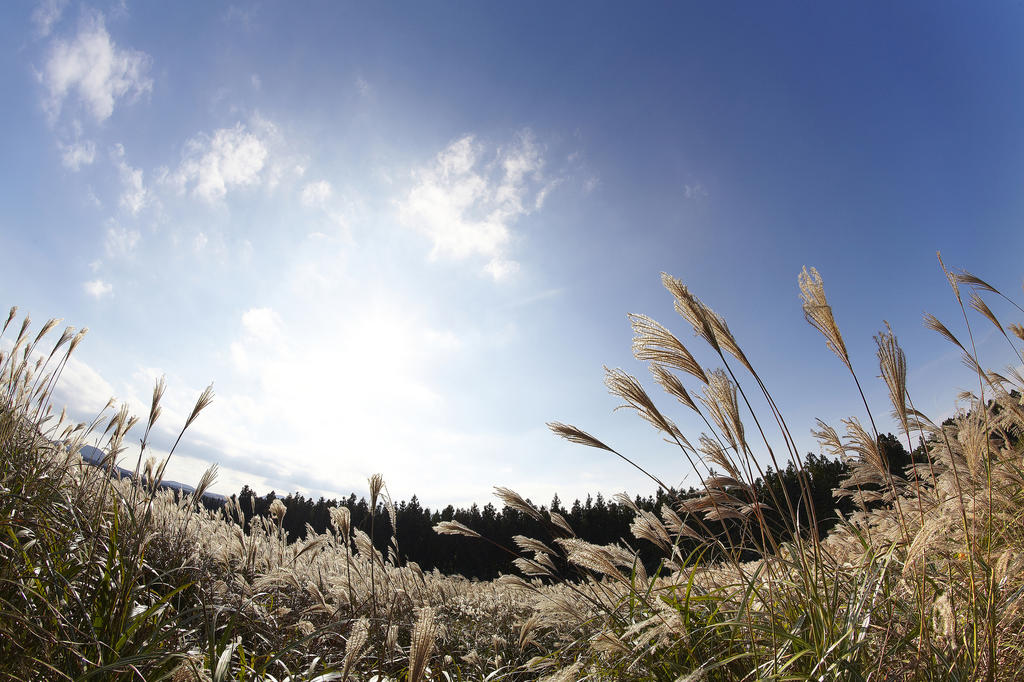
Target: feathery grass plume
x,y
604,559
718,456
64,338
818,313
964,277
77,340
534,568
514,500
726,339
205,481
365,547
354,646
646,526
675,525
569,674
933,323
954,281
944,619
455,528
973,435
147,471
391,638
626,501
559,522
576,435
376,484
45,329
545,560
424,634
154,407
980,306
10,316
922,545
278,509
341,519
654,343
627,387
719,396
527,544
674,387
515,582
205,398
829,440
860,442
608,642
893,364
528,630
691,310
21,338
1018,331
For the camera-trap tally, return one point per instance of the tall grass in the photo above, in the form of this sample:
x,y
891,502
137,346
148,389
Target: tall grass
x,y
111,578
103,577
924,581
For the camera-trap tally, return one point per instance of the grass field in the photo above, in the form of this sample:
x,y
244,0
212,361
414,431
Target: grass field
x,y
108,578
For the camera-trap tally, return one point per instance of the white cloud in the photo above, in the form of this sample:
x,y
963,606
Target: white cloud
x,y
257,82
262,324
121,242
92,67
134,195
77,154
538,203
316,194
82,389
468,198
500,269
97,288
46,14
362,86
200,242
229,158
695,191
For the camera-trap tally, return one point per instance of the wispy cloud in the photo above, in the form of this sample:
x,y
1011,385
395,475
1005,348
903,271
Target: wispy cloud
x,y
97,288
227,159
469,197
262,324
46,14
316,194
121,242
363,86
134,194
95,70
695,191
77,154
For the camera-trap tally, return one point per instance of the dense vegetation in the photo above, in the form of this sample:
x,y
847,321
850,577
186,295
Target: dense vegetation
x,y
595,520
922,577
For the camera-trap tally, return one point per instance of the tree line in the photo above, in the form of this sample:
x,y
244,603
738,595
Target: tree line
x,y
595,519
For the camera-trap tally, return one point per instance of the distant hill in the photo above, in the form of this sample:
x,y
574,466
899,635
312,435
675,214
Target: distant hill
x,y
94,456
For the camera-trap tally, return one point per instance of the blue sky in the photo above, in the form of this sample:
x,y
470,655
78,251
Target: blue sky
x,y
402,237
